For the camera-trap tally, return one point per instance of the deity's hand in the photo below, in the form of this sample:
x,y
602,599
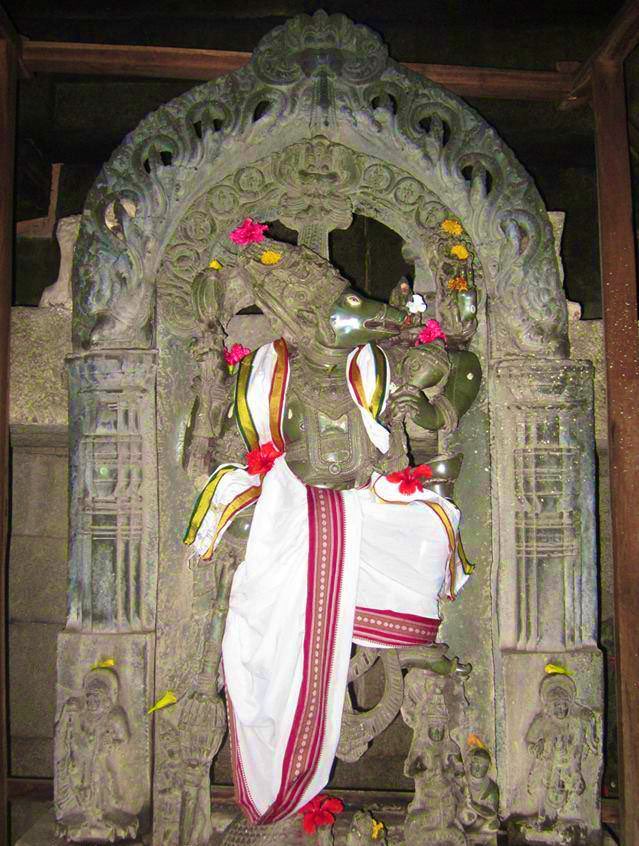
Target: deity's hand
x,y
410,403
202,725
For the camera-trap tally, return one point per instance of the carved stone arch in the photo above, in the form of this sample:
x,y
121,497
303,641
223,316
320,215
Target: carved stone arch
x,y
279,187
319,75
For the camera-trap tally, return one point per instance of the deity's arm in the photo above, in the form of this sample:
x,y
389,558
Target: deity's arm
x,y
454,392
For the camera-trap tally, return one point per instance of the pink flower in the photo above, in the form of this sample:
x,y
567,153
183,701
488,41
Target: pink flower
x,y
430,332
261,459
408,479
249,232
319,812
235,354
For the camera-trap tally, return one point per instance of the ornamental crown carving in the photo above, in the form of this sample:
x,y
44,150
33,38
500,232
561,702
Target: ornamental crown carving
x,y
323,44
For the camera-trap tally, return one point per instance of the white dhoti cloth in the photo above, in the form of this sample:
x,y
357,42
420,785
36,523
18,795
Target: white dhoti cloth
x,y
322,568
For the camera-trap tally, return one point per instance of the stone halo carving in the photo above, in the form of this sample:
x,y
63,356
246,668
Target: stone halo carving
x,y
314,76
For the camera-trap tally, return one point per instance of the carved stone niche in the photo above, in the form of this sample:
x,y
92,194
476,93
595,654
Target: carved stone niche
x,y
320,125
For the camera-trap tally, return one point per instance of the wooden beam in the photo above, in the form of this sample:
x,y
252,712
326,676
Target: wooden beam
x,y
8,76
497,82
130,60
30,789
183,63
619,295
619,40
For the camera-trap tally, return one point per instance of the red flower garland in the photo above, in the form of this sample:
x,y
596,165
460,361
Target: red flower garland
x,y
430,332
260,460
248,232
319,812
235,354
408,479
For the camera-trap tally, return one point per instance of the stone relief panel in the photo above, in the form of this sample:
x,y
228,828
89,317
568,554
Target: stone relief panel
x,y
102,743
184,149
547,572
113,549
553,791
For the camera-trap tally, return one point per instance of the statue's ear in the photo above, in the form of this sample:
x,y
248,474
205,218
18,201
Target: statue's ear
x,y
306,317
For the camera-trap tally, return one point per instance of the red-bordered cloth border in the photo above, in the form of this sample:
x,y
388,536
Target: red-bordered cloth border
x,y
391,628
326,522
240,784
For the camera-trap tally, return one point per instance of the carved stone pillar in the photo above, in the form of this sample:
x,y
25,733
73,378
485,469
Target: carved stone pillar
x,y
544,596
106,655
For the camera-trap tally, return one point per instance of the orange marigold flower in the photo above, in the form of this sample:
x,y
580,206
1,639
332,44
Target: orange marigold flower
x,y
452,227
459,251
458,283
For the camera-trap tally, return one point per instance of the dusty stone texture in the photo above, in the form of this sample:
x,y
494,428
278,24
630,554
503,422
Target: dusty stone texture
x,y
40,339
33,598
31,823
32,673
38,575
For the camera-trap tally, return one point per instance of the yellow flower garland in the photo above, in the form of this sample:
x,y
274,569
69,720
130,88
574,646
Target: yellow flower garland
x,y
452,227
270,257
460,252
215,264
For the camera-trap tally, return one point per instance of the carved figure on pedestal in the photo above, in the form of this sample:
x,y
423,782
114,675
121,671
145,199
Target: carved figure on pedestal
x,y
435,763
92,731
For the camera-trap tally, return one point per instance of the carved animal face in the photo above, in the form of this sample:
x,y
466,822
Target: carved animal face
x,y
355,319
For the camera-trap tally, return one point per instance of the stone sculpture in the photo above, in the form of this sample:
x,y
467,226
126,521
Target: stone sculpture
x,y
322,125
364,829
58,295
432,708
93,729
325,438
559,738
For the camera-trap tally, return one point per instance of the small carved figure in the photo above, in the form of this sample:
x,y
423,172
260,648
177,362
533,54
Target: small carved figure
x,y
558,739
92,730
482,801
435,763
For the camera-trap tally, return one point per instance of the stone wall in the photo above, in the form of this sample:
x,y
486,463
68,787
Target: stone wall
x,y
38,541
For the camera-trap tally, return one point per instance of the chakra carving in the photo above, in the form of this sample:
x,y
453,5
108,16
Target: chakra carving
x,y
316,75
